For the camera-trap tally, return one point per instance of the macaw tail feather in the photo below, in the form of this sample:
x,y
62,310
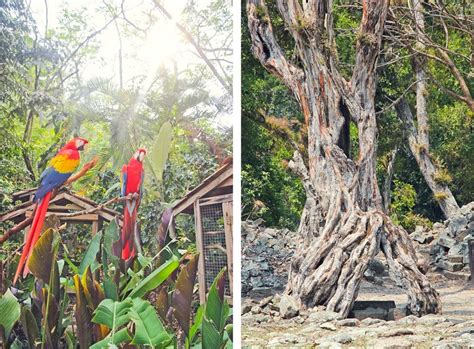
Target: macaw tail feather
x,y
128,229
32,236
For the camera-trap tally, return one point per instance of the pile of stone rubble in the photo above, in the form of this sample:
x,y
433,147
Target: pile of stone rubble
x,y
447,243
266,254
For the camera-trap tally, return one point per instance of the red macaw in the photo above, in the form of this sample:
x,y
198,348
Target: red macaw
x,y
61,167
132,183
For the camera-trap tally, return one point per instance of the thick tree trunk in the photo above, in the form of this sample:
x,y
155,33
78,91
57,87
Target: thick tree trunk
x,y
343,224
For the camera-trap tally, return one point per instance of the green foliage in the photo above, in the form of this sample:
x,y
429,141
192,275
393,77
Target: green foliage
x,y
401,209
10,310
160,150
269,190
156,278
216,314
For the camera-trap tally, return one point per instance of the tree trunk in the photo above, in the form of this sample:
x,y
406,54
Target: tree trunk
x,y
343,224
418,137
420,150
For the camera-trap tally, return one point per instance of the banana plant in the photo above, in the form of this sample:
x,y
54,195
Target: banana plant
x,y
216,332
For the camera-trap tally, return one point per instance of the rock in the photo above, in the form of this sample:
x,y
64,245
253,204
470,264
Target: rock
x,y
288,307
456,224
328,326
246,307
370,321
446,241
348,323
323,316
256,281
256,309
410,319
264,302
262,318
397,332
342,338
329,345
448,345
445,265
464,277
455,259
285,338
393,343
299,320
258,292
432,319
422,238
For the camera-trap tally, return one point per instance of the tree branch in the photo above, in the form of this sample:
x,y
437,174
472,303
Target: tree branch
x,y
369,40
197,47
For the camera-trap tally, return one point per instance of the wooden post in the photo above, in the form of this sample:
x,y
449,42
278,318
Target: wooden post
x,y
200,248
227,210
95,227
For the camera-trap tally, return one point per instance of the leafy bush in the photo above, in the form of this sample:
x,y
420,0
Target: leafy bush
x,y
401,209
148,304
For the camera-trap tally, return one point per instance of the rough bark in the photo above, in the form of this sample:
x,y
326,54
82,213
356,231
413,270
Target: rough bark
x,y
387,186
343,224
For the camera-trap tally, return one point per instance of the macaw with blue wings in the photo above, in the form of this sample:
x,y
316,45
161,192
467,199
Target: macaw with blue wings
x,y
60,168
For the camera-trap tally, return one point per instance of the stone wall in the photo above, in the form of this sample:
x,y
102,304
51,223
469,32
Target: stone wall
x,y
266,254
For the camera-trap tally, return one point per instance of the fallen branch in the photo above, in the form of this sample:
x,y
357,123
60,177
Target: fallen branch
x,y
20,226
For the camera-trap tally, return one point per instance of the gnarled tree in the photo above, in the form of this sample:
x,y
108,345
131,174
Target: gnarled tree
x,y
343,225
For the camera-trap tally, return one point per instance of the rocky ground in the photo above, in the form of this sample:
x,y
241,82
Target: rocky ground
x,y
272,321
264,327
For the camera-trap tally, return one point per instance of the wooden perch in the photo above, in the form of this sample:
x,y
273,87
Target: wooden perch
x,y
101,206
20,226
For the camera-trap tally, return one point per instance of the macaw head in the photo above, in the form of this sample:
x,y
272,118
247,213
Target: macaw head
x,y
77,143
140,154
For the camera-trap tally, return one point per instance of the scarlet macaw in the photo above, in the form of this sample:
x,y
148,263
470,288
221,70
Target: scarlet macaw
x,y
61,167
132,183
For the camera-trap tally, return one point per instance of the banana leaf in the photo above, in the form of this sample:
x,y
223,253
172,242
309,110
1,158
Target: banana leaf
x,y
113,314
29,326
156,278
216,315
183,294
91,253
82,315
162,302
10,313
41,259
159,151
148,328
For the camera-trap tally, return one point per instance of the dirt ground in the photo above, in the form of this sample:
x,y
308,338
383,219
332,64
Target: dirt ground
x,y
453,328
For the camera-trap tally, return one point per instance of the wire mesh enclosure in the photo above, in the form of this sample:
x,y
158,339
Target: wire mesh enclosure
x,y
211,204
214,243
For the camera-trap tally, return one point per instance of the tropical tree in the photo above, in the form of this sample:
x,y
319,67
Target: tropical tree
x,y
343,224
